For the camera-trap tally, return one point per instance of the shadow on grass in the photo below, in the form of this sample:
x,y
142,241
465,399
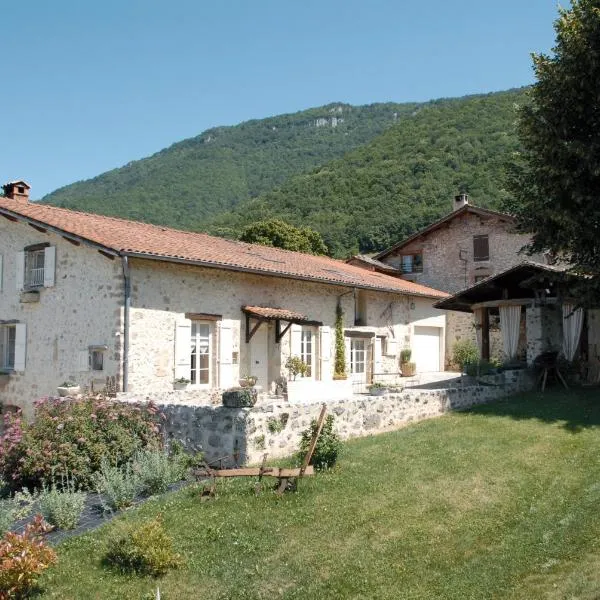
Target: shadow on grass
x,y
577,409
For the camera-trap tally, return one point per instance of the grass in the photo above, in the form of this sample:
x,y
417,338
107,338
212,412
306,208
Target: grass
x,y
498,502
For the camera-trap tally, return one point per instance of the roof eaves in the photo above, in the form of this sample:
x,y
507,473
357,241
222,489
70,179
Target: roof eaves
x,y
58,230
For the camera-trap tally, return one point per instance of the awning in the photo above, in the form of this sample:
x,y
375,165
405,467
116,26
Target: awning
x,y
525,281
265,313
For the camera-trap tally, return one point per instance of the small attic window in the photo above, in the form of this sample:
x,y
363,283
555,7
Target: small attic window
x,y
20,189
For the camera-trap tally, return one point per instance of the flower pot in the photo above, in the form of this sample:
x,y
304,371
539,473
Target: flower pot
x,y
378,391
243,382
408,369
63,392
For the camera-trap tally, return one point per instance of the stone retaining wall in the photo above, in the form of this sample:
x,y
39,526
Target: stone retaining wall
x,y
275,427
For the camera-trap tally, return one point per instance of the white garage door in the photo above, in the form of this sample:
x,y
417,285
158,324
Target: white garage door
x,y
426,348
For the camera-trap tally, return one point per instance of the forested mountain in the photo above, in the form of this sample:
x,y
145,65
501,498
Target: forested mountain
x,y
199,177
364,177
400,181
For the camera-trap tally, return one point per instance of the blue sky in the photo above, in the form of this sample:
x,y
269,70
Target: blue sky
x,y
90,86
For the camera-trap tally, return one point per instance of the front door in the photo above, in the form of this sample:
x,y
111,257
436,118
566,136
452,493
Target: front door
x,y
358,359
259,356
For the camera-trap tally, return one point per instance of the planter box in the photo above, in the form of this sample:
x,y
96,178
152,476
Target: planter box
x,y
240,398
302,391
180,386
63,392
378,392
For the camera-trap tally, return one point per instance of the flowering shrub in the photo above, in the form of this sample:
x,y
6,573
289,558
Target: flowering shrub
x,y
23,558
69,437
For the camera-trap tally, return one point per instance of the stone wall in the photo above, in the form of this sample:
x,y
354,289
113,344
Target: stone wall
x,y
275,427
83,308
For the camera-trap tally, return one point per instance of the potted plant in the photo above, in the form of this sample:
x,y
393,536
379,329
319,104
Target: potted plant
x,y
68,388
407,368
296,366
377,389
181,383
240,398
248,381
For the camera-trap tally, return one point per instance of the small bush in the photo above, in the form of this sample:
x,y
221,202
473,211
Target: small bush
x,y
118,486
328,445
156,470
277,425
71,436
23,558
62,507
7,514
15,508
144,548
464,352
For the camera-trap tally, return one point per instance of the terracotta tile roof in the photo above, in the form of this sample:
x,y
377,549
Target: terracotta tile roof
x,y
265,312
152,241
369,260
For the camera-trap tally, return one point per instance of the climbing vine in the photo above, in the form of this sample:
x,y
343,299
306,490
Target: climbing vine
x,y
340,348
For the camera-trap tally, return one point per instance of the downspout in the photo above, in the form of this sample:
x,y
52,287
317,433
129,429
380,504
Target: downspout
x,y
126,307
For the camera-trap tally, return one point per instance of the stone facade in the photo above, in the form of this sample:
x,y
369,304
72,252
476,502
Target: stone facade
x,y
448,255
275,427
83,308
164,293
449,265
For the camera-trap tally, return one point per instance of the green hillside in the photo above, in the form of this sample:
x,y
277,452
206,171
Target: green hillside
x,y
400,181
203,176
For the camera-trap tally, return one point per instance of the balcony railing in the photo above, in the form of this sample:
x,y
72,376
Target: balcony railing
x,y
407,269
34,278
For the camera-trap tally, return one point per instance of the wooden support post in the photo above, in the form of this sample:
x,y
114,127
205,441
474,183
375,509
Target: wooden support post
x,y
485,333
315,439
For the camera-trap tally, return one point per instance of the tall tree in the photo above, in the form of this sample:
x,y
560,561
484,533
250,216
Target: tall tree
x,y
555,180
278,233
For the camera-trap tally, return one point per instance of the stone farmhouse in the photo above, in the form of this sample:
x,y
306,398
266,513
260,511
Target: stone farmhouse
x,y
466,246
86,297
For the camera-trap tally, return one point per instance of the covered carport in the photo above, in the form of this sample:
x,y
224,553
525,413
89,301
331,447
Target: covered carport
x,y
535,309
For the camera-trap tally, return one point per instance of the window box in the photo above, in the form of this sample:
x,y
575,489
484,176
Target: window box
x,y
29,297
64,391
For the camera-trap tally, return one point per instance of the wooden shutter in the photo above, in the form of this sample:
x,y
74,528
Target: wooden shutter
x,y
377,356
1,273
20,346
481,247
49,265
83,361
325,353
225,354
20,273
295,340
391,346
183,349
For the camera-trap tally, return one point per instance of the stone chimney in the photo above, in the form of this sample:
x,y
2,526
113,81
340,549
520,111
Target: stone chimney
x,y
461,200
17,191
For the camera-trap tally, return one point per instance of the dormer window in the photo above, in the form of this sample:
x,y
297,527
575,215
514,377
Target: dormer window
x,y
20,189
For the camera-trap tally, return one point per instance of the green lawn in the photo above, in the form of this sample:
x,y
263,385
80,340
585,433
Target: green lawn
x,y
502,501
